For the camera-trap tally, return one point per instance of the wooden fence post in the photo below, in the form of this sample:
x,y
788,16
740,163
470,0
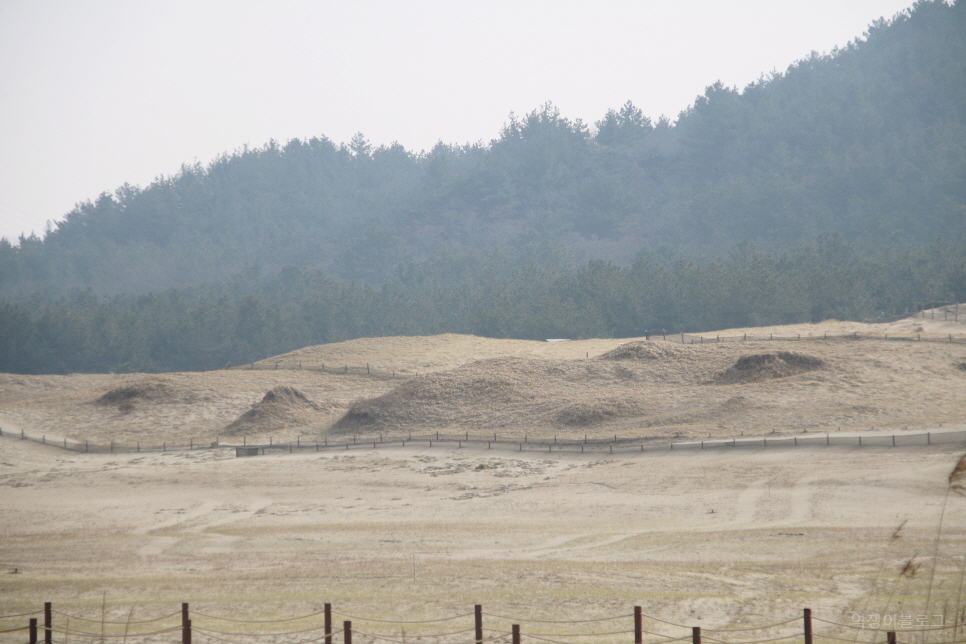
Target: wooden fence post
x,y
808,625
328,624
48,623
478,618
516,634
33,630
891,637
638,636
696,635
346,632
185,624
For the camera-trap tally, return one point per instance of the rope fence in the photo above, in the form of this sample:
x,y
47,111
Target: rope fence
x,y
611,445
395,632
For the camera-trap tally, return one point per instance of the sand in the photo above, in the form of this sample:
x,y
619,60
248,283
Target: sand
x,y
714,538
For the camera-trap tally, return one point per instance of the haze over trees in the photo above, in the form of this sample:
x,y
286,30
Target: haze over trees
x,y
817,192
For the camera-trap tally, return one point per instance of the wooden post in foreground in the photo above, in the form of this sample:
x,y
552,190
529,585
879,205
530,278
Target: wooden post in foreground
x,y
185,624
516,634
33,630
808,626
328,624
696,635
48,623
346,632
478,615
638,636
891,637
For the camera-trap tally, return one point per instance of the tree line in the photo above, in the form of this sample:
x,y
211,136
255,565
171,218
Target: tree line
x,y
868,141
536,293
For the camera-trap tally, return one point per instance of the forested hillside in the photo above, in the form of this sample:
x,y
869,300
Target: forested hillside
x,y
817,192
535,293
868,141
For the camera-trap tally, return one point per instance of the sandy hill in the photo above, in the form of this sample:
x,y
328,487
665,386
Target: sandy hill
x,y
465,383
658,389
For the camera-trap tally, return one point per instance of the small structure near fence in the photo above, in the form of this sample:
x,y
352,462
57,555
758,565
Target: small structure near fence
x,y
624,626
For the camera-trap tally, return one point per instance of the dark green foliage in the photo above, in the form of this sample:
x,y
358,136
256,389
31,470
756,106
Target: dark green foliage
x,y
868,141
810,194
537,293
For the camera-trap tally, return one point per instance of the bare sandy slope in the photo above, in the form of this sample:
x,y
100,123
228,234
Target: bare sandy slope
x,y
715,538
518,388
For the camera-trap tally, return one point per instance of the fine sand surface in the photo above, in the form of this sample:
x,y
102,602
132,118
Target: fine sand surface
x,y
716,538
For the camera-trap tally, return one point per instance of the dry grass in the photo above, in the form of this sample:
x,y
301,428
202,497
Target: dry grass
x,y
768,366
657,389
280,407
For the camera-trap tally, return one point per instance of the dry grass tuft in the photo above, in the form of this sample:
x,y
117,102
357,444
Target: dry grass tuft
x,y
147,390
280,407
911,568
898,533
957,478
645,351
768,366
583,414
422,400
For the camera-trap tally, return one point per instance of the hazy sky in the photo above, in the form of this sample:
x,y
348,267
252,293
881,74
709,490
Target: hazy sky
x,y
95,94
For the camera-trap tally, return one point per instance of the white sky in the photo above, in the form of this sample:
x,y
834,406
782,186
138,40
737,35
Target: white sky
x,y
94,94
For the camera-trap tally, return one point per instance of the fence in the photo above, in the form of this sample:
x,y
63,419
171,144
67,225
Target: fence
x,y
345,369
949,311
615,445
319,626
687,338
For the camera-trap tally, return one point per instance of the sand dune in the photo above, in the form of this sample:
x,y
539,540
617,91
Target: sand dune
x,y
714,538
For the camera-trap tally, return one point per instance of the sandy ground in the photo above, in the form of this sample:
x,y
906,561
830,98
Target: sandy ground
x,y
716,538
